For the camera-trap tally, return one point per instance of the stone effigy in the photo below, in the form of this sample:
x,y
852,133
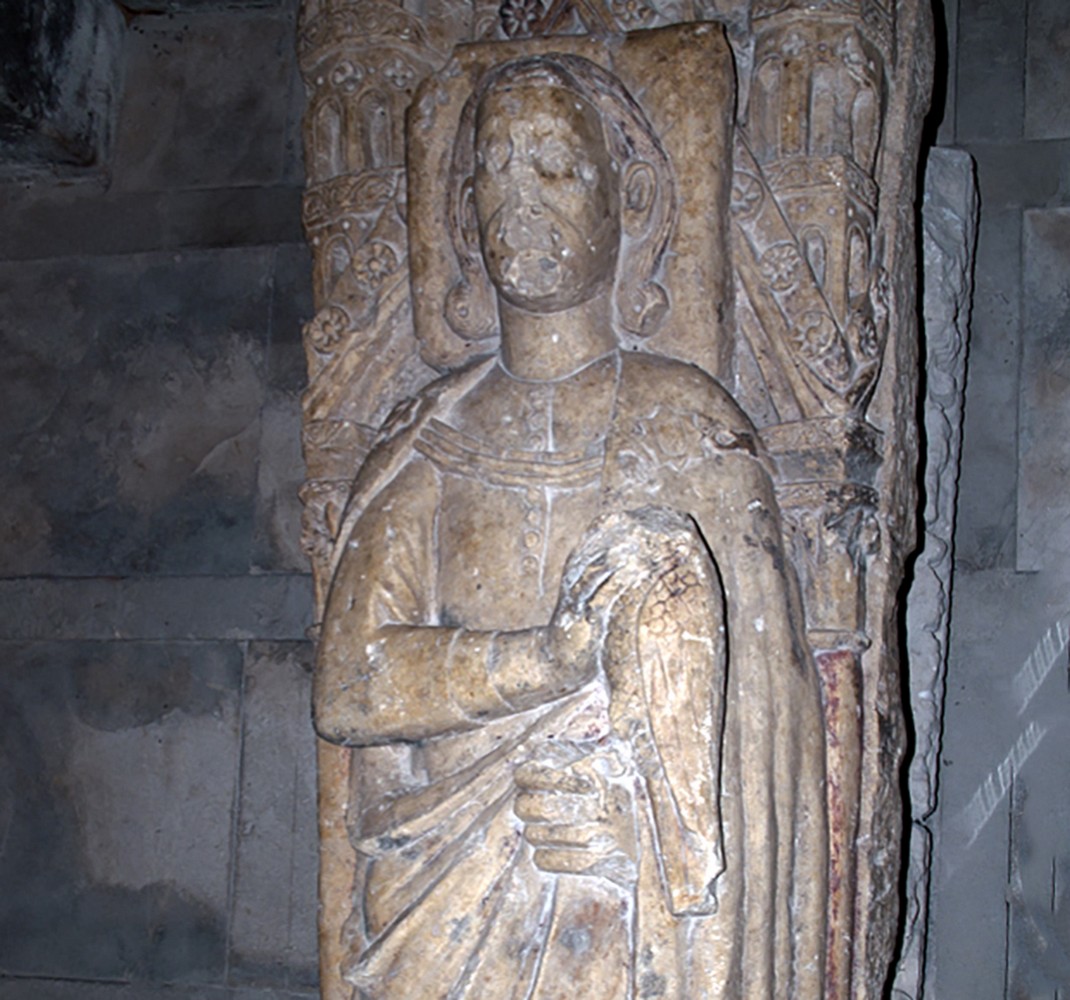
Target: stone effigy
x,y
610,448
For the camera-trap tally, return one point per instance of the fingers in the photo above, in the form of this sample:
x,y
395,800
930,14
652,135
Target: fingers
x,y
557,808
555,797
574,822
565,861
584,837
580,584
535,777
560,807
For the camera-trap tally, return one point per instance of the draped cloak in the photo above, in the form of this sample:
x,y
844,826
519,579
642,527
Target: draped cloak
x,y
707,713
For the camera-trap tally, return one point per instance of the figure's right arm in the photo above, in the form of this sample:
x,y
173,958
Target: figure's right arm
x,y
386,671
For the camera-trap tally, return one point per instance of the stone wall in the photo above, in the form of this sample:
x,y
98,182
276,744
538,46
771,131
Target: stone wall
x,y
1000,921
157,795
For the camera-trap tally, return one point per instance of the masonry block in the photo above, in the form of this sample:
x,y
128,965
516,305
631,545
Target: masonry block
x,y
273,931
1043,500
120,768
1047,81
60,74
131,413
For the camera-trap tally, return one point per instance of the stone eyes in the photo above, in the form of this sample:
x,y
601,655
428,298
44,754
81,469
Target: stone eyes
x,y
495,154
551,159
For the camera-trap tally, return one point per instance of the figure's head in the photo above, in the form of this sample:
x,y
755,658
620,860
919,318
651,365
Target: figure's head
x,y
557,179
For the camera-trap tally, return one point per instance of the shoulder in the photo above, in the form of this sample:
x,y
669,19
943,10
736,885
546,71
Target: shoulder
x,y
651,381
393,468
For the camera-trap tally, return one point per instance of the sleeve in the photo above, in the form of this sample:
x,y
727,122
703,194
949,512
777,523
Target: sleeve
x,y
386,671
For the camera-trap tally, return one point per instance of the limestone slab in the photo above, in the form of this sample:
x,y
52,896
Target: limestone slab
x,y
1001,822
949,227
1043,504
213,117
280,475
121,768
43,220
1038,953
991,69
264,606
1047,79
273,922
1027,173
986,531
131,411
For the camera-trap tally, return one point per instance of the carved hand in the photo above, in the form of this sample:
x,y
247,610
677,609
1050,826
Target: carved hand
x,y
575,634
579,817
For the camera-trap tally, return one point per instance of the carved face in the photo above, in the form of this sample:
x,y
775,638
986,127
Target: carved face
x,y
546,196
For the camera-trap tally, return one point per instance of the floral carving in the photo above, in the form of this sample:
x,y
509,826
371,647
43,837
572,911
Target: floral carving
x,y
746,195
520,17
820,343
632,14
346,76
375,263
341,196
863,332
327,328
399,73
780,266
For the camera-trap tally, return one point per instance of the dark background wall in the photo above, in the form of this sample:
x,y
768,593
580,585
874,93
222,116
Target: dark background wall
x,y
157,797
156,773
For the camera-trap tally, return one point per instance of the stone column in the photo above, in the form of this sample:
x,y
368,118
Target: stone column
x,y
816,348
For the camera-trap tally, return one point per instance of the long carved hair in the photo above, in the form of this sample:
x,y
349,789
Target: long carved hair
x,y
641,302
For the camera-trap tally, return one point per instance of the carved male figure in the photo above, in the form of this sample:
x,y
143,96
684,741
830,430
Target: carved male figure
x,y
562,632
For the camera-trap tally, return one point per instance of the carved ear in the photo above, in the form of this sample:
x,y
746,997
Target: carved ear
x,y
639,189
470,308
468,223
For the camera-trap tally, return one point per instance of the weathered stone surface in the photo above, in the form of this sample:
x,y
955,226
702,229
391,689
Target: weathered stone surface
x,y
991,70
267,606
120,766
484,649
273,925
1044,450
280,474
291,308
1047,75
44,989
216,114
949,225
60,68
997,914
988,487
131,428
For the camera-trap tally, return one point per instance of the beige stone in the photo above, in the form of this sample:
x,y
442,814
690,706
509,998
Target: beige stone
x,y
606,611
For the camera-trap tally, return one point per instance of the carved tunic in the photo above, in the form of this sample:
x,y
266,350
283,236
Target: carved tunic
x,y
468,504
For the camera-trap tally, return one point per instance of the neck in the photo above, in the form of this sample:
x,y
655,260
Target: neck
x,y
543,347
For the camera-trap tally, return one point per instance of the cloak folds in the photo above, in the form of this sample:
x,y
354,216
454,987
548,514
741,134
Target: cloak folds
x,y
704,727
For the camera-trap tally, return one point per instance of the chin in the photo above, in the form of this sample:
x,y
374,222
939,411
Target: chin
x,y
530,289
557,301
